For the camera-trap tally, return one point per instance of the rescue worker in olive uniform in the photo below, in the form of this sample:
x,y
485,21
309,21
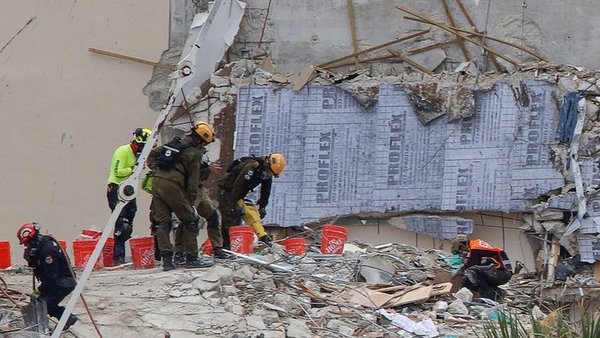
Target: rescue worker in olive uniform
x,y
242,176
209,211
51,267
123,162
485,267
175,189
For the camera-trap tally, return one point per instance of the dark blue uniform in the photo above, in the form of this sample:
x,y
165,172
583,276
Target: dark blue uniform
x,y
51,268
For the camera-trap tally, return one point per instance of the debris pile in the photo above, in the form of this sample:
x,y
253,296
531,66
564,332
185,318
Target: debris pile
x,y
374,291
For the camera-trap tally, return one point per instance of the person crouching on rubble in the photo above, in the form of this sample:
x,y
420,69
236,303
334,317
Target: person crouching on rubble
x,y
51,267
485,267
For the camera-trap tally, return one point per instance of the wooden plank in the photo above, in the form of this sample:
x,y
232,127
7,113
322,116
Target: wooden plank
x,y
441,289
553,261
597,271
383,45
353,30
132,59
460,40
478,34
454,31
410,62
474,28
392,288
417,295
376,58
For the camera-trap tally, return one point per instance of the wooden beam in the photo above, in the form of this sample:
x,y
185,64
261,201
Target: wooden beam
x,y
478,34
132,59
461,42
383,45
409,61
474,28
349,63
353,31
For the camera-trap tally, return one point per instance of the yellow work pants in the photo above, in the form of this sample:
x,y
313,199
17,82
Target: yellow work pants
x,y
252,217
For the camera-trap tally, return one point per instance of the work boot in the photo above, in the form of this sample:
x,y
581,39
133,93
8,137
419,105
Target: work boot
x,y
72,319
119,261
268,240
220,253
167,262
195,262
179,259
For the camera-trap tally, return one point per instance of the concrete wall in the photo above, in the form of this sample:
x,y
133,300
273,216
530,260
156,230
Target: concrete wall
x,y
65,109
299,33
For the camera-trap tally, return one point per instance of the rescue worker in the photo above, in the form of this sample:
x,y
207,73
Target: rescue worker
x,y
242,176
485,267
51,267
123,162
175,190
209,211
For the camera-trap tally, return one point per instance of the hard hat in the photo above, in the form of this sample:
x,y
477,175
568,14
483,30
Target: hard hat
x,y
27,232
204,130
276,163
141,135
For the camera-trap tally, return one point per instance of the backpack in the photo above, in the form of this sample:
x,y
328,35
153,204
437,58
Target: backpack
x,y
233,170
170,153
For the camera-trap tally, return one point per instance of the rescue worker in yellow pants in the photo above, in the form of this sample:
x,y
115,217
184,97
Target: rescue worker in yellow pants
x,y
244,175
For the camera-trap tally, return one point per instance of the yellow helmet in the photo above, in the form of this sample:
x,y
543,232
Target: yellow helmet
x,y
141,135
204,130
276,163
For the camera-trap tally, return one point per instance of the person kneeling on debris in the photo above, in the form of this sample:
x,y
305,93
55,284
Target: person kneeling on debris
x,y
243,175
51,267
485,267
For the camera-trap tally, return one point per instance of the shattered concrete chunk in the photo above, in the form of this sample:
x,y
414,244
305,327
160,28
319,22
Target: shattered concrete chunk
x,y
549,215
457,307
218,81
464,294
297,329
440,306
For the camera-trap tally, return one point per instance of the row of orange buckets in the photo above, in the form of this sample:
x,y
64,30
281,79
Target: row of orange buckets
x,y
333,238
142,252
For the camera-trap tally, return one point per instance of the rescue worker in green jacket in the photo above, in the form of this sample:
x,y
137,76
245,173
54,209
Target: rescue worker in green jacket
x,y
175,190
209,211
243,175
124,160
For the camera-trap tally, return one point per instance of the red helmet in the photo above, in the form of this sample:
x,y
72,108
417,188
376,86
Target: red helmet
x,y
27,232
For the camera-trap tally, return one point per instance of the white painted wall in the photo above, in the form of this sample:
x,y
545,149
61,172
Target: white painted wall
x,y
64,109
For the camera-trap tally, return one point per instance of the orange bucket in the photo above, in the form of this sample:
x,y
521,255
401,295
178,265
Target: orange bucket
x,y
294,246
142,252
82,250
208,248
241,238
91,233
333,239
5,255
108,253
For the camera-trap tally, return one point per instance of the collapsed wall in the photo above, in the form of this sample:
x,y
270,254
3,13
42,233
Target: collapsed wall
x,y
418,142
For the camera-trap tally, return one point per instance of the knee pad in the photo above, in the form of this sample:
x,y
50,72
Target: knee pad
x,y
213,219
123,228
191,227
164,226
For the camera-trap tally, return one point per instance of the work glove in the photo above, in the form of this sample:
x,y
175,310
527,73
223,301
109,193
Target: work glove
x,y
238,211
262,213
34,295
457,272
268,240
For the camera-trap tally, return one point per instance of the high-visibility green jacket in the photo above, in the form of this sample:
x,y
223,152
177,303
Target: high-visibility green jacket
x,y
123,162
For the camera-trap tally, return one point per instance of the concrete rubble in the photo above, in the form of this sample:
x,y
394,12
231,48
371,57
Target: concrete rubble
x,y
321,296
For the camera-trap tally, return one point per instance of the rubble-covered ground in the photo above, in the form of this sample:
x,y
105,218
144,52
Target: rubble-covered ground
x,y
384,291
